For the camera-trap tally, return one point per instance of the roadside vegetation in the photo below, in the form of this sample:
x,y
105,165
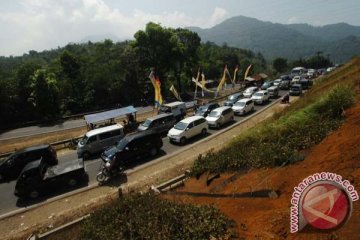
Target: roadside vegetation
x,y
149,217
281,139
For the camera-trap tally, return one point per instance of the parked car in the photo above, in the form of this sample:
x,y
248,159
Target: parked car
x,y
285,77
250,91
232,99
277,82
160,123
11,167
296,79
133,147
273,91
176,108
97,140
295,90
285,85
243,106
261,97
267,84
38,176
305,83
220,116
204,110
188,128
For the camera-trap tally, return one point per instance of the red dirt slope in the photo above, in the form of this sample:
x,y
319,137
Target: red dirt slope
x,y
265,218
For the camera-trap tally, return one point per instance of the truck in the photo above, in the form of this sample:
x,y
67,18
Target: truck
x,y
176,108
38,177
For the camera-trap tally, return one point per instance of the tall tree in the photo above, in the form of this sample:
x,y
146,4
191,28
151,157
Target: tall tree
x,y
280,65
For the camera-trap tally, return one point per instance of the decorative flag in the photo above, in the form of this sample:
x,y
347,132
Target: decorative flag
x,y
223,80
235,74
203,83
196,82
247,71
157,87
176,94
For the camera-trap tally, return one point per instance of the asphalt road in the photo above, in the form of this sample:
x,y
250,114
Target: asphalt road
x,y
9,202
68,124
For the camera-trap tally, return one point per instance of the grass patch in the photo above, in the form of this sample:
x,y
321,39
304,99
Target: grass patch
x,y
280,139
149,217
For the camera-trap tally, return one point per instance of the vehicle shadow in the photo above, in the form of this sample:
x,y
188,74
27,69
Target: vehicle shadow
x,y
47,194
116,181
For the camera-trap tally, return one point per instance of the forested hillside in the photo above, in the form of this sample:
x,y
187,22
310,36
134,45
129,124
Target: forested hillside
x,y
90,76
288,41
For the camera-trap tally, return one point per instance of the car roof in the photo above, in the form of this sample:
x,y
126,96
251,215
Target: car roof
x,y
104,129
245,100
261,91
272,87
236,94
136,135
191,119
220,109
32,148
160,116
251,88
208,105
172,104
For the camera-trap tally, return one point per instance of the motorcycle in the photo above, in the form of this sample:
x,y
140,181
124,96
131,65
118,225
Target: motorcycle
x,y
107,172
285,99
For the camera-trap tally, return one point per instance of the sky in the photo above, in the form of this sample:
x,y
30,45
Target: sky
x,y
46,24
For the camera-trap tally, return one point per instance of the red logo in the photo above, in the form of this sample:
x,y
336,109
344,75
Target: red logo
x,y
326,206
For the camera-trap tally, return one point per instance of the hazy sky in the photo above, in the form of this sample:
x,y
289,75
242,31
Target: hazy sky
x,y
44,24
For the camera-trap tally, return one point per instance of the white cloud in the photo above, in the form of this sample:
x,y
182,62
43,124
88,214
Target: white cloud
x,y
292,20
46,24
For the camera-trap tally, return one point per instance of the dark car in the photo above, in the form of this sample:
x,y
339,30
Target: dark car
x,y
267,84
285,85
295,90
305,83
285,77
233,99
204,110
134,146
11,167
160,123
38,177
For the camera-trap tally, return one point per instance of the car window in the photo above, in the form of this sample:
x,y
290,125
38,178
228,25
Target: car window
x,y
191,125
92,139
180,126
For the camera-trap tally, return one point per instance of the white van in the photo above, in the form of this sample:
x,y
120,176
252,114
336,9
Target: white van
x,y
188,128
243,106
298,71
98,140
220,116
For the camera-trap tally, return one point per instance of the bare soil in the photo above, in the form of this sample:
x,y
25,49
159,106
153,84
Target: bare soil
x,y
269,218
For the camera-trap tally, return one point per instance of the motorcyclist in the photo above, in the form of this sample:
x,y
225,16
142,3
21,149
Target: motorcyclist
x,y
114,165
285,99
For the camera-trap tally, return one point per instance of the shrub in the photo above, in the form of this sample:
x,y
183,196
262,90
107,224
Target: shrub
x,y
149,217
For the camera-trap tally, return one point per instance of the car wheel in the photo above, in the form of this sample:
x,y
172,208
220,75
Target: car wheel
x,y
34,194
217,125
153,151
72,182
204,131
86,155
252,109
182,140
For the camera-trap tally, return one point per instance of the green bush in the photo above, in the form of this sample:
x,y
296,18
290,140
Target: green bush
x,y
280,140
149,217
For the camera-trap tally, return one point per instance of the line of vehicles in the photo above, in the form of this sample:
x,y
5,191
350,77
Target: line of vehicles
x,y
37,168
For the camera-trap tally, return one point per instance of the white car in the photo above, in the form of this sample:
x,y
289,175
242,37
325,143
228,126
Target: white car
x,y
296,79
243,106
260,97
249,92
188,128
220,116
277,82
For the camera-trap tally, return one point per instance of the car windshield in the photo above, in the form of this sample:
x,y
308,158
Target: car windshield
x,y
240,104
201,109
232,97
165,109
258,94
214,114
180,126
249,90
122,144
146,123
84,140
295,88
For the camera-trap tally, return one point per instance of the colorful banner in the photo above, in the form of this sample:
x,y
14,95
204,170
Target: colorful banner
x,y
176,94
157,87
235,75
196,81
223,80
247,71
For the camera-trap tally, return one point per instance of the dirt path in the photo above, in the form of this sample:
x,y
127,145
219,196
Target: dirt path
x,y
265,218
